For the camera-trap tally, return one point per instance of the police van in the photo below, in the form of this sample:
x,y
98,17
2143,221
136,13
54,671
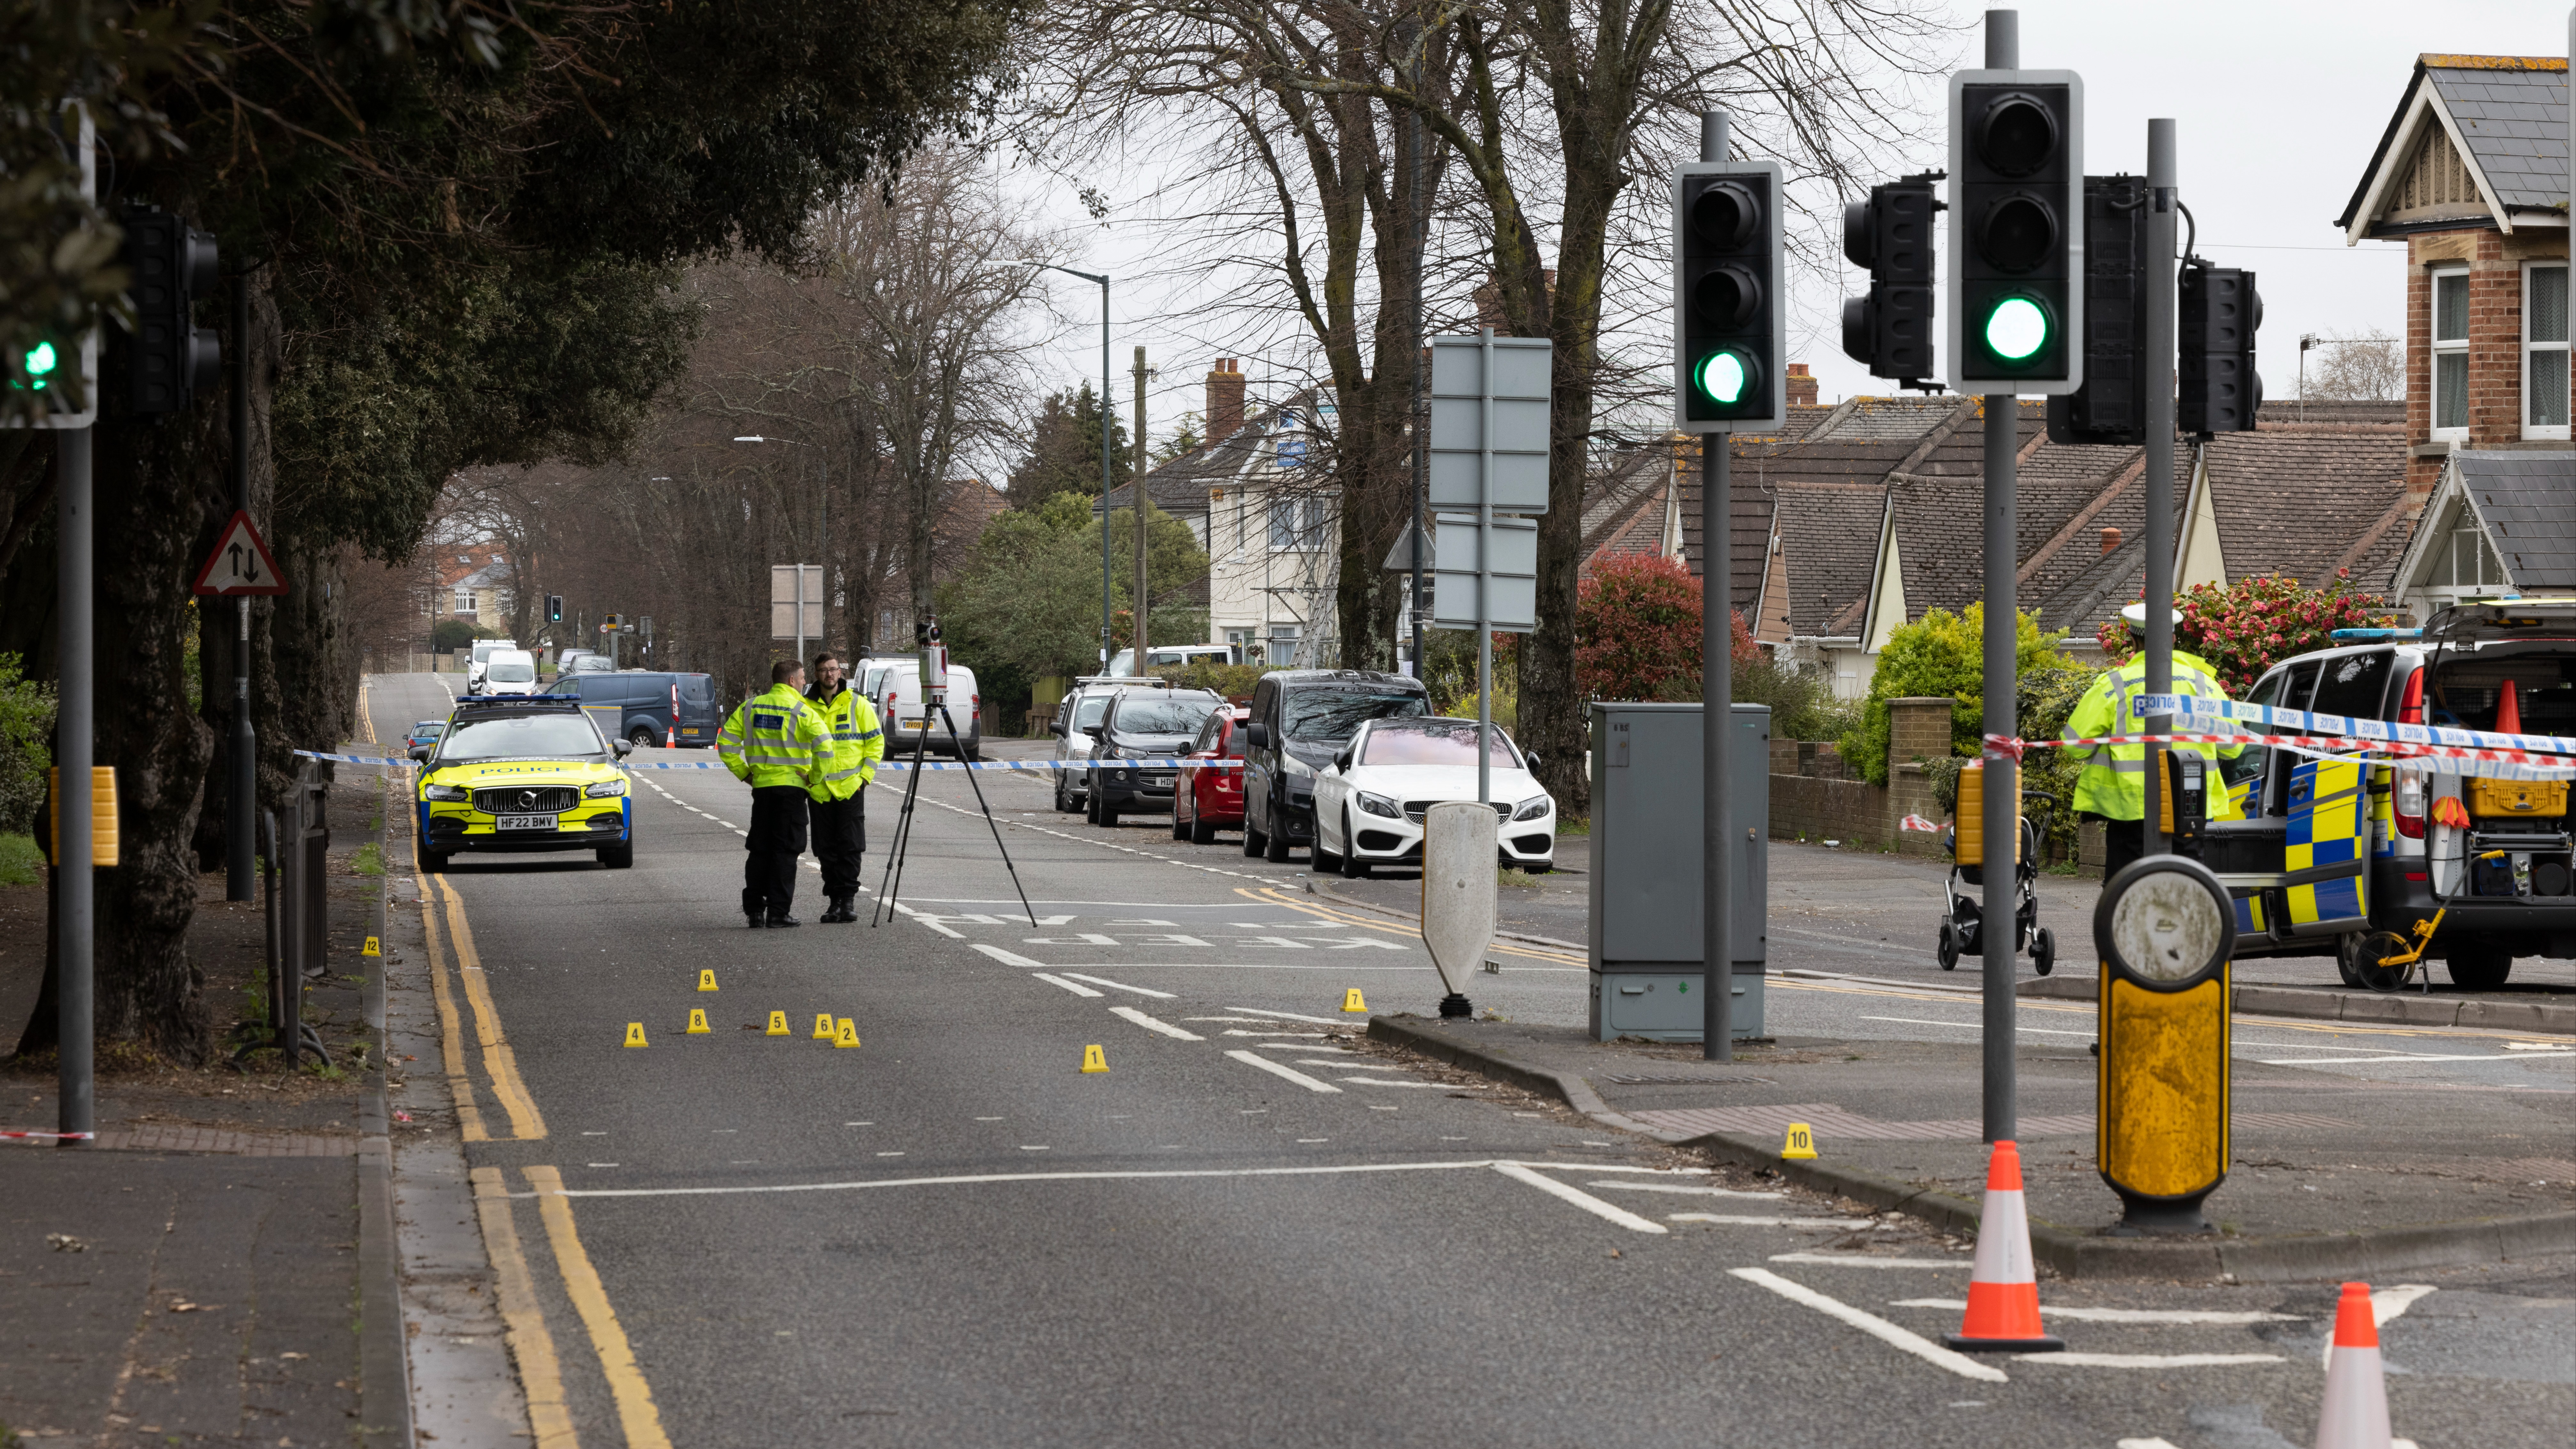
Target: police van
x,y
2333,853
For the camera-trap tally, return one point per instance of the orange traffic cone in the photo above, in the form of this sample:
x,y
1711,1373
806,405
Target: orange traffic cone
x,y
2003,1287
2509,712
2356,1408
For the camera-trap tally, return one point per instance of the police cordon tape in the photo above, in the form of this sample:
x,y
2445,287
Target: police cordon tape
x,y
16,1136
882,765
2487,764
2372,731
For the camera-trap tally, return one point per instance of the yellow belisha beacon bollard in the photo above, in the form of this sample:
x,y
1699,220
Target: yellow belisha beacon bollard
x,y
2165,930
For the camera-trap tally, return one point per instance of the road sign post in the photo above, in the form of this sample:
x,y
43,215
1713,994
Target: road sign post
x,y
796,603
1490,403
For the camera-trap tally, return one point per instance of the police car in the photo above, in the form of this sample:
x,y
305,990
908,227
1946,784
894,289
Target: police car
x,y
527,773
2334,853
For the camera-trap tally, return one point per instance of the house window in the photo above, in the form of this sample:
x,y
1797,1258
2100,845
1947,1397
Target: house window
x,y
2451,354
1297,523
465,601
2544,351
2473,565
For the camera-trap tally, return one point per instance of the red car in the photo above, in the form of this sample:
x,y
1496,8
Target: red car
x,y
1204,801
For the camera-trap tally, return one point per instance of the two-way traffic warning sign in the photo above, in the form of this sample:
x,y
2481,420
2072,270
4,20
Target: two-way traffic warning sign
x,y
240,563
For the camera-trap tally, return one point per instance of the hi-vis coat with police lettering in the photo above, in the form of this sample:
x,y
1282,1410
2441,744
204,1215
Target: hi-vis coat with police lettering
x,y
858,742
776,738
2113,783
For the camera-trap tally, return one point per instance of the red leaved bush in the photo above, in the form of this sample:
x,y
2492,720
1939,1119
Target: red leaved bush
x,y
2255,623
1636,631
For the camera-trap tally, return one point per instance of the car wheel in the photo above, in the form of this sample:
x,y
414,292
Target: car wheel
x,y
618,857
432,862
1201,832
1064,794
1103,814
1353,868
1275,850
641,737
2480,966
975,748
1255,844
1324,862
2347,956
1535,867
1180,827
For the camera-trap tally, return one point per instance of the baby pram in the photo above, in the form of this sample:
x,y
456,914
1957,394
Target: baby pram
x,y
1963,925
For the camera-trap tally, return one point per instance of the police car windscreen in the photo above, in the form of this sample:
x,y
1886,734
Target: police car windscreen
x,y
1163,716
520,737
1332,716
1433,742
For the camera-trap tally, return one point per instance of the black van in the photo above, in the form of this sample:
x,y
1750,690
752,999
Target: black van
x,y
648,707
1300,719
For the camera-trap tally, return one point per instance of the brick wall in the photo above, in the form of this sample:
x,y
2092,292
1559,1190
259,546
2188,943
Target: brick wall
x,y
1817,796
2495,264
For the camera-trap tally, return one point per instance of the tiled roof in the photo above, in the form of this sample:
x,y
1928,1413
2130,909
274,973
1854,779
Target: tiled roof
x,y
2274,487
2529,503
1181,485
1624,503
2512,113
1882,419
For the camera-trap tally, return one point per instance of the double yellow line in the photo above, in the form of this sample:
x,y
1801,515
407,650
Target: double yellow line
x,y
527,1124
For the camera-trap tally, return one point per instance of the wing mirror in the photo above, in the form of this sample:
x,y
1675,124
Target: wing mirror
x,y
1056,727
420,754
1342,761
1532,757
1095,731
623,748
1257,735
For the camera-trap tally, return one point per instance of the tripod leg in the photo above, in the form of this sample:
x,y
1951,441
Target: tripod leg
x,y
988,816
892,882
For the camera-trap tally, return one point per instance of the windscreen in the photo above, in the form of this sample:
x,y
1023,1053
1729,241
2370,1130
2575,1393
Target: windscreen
x,y
1163,716
1088,712
512,671
521,737
1433,743
1332,716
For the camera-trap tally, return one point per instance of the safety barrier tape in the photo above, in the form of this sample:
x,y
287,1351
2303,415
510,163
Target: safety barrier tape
x,y
2488,764
882,765
2300,721
48,1136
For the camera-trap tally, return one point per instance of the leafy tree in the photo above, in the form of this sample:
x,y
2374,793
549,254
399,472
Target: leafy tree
x,y
1941,654
1637,631
449,635
1064,449
2255,623
1030,599
26,730
1188,436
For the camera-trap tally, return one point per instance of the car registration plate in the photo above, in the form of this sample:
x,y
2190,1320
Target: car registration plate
x,y
524,822
1163,779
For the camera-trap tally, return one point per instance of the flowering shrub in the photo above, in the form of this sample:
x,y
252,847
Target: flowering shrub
x,y
1941,654
2255,623
1636,631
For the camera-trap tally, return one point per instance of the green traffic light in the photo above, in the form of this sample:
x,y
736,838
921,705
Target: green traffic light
x,y
41,362
2016,329
1722,376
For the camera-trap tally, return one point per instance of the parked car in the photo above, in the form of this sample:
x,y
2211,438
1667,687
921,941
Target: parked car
x,y
508,672
1370,801
1122,665
1301,718
1205,801
424,733
2401,842
1143,724
647,707
893,685
581,661
479,661
1082,709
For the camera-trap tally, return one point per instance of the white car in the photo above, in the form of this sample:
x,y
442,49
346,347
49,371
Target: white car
x,y
509,671
1369,801
479,663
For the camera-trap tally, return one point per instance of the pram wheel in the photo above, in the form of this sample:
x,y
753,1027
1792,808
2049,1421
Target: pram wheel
x,y
1949,948
2043,951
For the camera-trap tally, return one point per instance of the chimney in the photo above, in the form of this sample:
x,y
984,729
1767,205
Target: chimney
x,y
1224,399
2110,542
1802,388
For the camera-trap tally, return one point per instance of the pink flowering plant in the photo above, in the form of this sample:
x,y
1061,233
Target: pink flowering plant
x,y
2255,623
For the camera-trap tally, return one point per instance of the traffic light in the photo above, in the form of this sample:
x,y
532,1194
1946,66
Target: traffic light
x,y
2111,407
169,359
2217,390
1729,328
1890,330
2016,231
554,608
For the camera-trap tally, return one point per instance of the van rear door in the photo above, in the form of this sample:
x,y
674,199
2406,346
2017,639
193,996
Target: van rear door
x,y
2327,847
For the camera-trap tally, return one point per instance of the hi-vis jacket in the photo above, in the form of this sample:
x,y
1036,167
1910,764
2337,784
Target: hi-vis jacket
x,y
858,742
776,738
2113,783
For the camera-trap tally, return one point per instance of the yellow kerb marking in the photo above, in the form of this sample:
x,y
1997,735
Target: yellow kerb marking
x,y
540,1375
451,1036
635,1412
525,1123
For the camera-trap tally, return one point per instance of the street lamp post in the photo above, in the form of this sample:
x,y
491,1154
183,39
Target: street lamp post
x,y
1105,406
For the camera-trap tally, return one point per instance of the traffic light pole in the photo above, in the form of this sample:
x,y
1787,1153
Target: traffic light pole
x,y
2002,825
2158,365
241,819
76,718
1717,716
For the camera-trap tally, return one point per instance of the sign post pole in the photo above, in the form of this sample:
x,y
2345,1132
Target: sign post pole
x,y
1717,704
76,901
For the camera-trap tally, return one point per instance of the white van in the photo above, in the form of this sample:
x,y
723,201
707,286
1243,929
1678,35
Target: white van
x,y
1122,665
509,671
893,684
480,663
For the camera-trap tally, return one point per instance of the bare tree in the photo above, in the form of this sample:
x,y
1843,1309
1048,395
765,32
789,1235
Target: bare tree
x,y
2357,367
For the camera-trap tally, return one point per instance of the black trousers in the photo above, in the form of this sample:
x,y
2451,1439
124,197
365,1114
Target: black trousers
x,y
840,838
776,839
2122,842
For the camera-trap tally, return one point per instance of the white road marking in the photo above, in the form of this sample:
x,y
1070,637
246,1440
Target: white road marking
x,y
2149,1360
1123,986
2144,1444
1276,1070
2117,1315
2407,1057
1067,985
1009,958
1377,1081
1677,1187
1873,1325
1741,1220
1150,1024
1295,1035
2386,1305
1289,1016
1854,1260
1584,1200
1103,1175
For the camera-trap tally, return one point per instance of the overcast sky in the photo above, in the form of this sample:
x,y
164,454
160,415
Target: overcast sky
x,y
2278,109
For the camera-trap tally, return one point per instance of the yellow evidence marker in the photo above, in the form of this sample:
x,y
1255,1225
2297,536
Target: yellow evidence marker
x,y
824,1030
698,1021
1094,1060
707,979
848,1035
1801,1143
635,1034
778,1024
1351,1000
372,949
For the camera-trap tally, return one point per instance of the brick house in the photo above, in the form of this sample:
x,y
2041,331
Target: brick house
x,y
2471,177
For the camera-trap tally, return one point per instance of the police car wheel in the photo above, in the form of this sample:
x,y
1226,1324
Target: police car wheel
x,y
617,857
433,861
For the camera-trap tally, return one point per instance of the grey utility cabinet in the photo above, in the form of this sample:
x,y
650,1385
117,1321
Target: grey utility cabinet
x,y
1647,975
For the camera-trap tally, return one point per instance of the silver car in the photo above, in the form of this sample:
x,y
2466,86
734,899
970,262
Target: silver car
x,y
1082,710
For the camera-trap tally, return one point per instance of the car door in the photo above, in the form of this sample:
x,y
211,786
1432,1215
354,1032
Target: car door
x,y
1333,787
2326,850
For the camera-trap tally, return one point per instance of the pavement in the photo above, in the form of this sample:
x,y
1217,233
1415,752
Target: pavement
x,y
1262,1224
